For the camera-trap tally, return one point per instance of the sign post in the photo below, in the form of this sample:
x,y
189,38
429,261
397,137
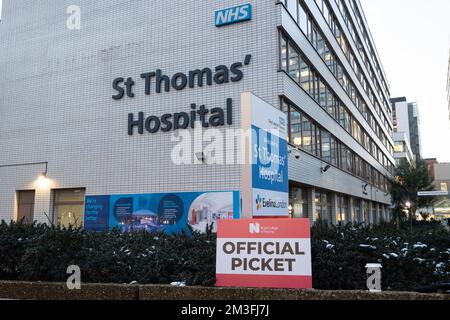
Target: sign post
x,y
264,253
265,185
433,193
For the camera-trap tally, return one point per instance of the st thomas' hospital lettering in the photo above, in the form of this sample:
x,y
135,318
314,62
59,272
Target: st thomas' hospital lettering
x,y
157,82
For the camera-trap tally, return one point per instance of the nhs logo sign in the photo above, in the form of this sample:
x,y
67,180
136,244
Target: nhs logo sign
x,y
232,15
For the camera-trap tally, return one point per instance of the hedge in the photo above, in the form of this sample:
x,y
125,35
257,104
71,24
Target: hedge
x,y
42,253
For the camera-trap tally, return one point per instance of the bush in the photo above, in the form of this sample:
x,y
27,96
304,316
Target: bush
x,y
42,253
409,260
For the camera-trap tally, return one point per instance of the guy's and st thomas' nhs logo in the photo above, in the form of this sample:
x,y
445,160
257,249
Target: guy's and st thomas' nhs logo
x,y
232,15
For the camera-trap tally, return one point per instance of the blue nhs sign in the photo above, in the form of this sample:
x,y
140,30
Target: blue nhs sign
x,y
232,15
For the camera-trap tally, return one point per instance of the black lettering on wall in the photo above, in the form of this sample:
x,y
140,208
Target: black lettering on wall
x,y
193,115
148,80
129,85
229,111
200,75
182,120
118,88
160,78
179,81
166,123
152,124
135,123
238,74
202,112
222,75
176,121
217,118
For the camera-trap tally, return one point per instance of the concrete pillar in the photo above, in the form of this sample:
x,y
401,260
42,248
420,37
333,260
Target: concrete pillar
x,y
351,210
311,204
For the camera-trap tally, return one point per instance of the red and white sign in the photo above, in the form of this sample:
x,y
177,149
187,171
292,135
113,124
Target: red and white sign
x,y
264,253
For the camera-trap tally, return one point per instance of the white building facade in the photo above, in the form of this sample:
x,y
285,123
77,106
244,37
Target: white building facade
x,y
75,81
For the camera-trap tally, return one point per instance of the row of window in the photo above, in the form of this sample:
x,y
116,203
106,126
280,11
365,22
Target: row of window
x,y
369,44
364,56
309,136
293,62
351,57
68,206
359,212
317,39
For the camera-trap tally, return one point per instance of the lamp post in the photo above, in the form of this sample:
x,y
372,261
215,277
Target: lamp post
x,y
408,206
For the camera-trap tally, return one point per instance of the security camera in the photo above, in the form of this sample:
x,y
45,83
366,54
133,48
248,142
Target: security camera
x,y
297,154
325,169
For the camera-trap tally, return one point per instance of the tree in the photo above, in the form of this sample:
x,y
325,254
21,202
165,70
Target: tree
x,y
409,180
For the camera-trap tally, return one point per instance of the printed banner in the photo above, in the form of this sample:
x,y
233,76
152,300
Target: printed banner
x,y
168,212
265,253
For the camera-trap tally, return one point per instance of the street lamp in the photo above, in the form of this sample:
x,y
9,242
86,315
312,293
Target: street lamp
x,y
408,206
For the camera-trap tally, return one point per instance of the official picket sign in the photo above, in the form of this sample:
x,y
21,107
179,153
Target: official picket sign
x,y
265,253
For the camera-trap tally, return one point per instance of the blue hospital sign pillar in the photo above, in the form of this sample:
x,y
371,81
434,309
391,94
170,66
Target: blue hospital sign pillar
x,y
265,185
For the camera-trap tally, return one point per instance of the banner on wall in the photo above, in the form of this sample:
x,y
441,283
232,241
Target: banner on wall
x,y
264,253
265,182
168,212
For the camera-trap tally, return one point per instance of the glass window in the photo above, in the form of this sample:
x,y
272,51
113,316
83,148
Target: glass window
x,y
374,213
308,135
322,206
333,151
321,45
331,104
283,53
357,211
302,18
343,208
305,76
326,146
366,213
296,128
298,205
293,70
344,118
444,186
318,139
292,8
25,204
322,94
69,207
399,147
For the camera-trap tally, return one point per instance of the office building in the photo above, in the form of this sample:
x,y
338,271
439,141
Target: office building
x,y
402,150
90,98
406,119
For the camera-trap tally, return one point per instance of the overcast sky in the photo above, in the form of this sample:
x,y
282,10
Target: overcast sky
x,y
413,40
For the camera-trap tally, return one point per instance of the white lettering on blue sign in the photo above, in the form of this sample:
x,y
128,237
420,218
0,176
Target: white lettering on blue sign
x,y
232,15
